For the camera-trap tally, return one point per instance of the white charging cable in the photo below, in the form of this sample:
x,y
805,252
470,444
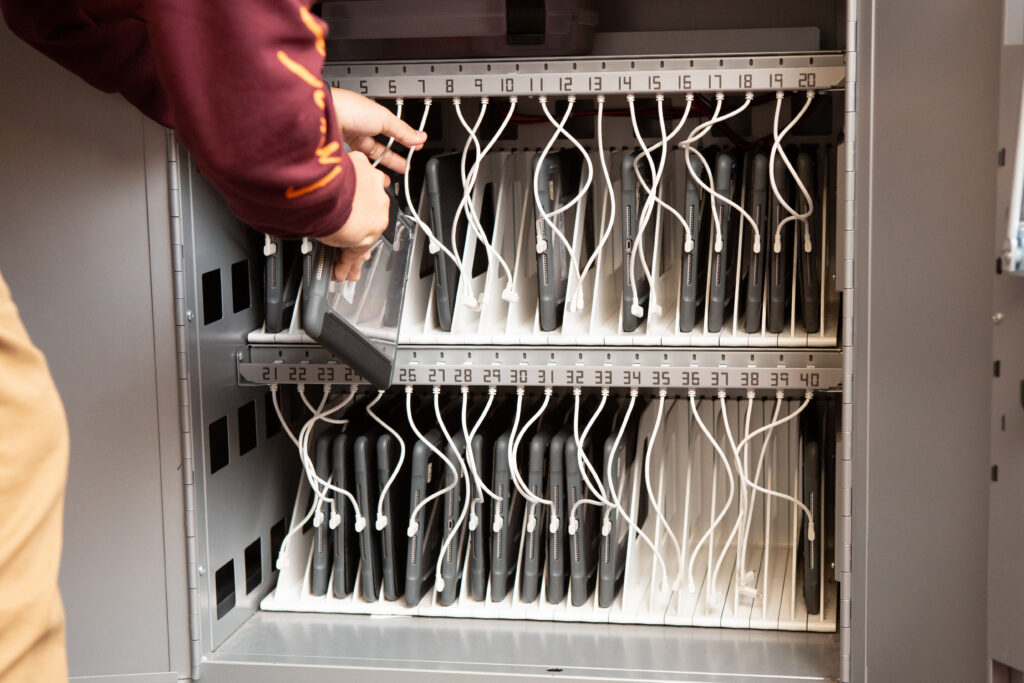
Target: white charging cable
x,y
318,485
699,132
547,217
513,465
391,140
469,299
747,579
769,492
481,487
457,526
576,300
469,183
743,507
414,526
715,598
583,463
657,500
434,245
794,215
382,520
617,500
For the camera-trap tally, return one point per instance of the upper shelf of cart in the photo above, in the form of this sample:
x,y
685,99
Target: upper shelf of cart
x,y
592,76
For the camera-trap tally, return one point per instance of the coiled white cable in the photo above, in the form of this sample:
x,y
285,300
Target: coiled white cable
x,y
469,299
656,500
434,245
547,217
469,183
319,486
769,492
699,132
382,520
725,508
617,501
391,140
517,478
743,507
688,245
576,300
457,526
757,476
414,526
777,150
586,468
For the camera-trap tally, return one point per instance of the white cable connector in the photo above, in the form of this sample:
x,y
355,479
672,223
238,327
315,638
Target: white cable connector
x,y
269,246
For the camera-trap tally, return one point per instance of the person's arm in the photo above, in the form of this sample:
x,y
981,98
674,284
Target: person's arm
x,y
111,53
243,81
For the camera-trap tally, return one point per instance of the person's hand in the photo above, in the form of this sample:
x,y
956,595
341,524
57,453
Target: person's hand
x,y
370,208
348,266
361,119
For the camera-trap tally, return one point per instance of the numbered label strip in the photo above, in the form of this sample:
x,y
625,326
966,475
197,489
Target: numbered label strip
x,y
676,369
590,76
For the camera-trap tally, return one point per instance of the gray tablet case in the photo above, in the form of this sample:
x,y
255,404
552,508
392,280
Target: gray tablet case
x,y
451,563
810,269
346,547
558,557
359,321
632,201
558,182
758,209
691,284
504,542
720,290
613,545
320,564
367,492
396,508
778,263
423,546
583,545
444,187
282,272
480,537
534,544
811,549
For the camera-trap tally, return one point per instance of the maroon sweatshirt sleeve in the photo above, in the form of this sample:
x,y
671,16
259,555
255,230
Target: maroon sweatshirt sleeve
x,y
239,80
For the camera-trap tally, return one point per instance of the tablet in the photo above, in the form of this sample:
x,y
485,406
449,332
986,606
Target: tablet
x,y
505,541
346,548
395,507
810,259
282,273
558,183
691,283
423,546
631,204
534,543
618,474
558,558
755,263
720,285
583,545
359,321
811,489
444,188
779,262
367,492
454,499
320,564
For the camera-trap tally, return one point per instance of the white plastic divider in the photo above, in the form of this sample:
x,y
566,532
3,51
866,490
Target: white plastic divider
x,y
692,483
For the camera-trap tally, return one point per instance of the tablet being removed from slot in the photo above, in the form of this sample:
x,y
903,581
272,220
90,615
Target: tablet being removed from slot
x,y
359,321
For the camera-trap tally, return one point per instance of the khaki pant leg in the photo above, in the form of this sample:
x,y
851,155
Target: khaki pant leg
x,y
33,472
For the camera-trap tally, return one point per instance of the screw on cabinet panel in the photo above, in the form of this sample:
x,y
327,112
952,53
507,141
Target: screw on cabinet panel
x,y
189,315
202,570
997,318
